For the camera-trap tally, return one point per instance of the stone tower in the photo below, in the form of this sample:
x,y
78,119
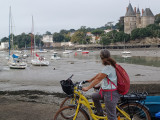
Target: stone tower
x,y
133,19
138,18
147,18
129,20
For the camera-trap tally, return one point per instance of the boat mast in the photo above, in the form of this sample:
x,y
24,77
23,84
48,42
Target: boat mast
x,y
32,37
12,33
124,45
9,27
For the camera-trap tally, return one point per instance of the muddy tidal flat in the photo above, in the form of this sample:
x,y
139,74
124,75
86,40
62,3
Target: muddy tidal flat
x,y
35,93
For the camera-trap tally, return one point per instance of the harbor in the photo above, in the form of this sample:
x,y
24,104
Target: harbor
x,y
83,66
44,44
38,87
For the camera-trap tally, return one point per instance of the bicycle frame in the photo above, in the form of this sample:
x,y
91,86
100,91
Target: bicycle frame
x,y
83,100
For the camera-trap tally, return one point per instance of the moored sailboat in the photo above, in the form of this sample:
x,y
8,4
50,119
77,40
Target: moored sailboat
x,y
125,51
37,60
17,62
14,61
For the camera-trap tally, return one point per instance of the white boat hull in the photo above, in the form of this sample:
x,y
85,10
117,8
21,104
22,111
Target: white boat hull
x,y
67,52
55,58
18,66
126,52
126,56
17,63
21,65
79,50
37,62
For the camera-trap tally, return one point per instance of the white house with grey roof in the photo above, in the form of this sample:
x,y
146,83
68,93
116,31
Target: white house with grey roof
x,y
133,18
47,40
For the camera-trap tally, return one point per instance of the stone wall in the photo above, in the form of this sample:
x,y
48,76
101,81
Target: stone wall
x,y
151,89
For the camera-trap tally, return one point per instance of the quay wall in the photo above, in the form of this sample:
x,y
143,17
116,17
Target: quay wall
x,y
97,46
151,89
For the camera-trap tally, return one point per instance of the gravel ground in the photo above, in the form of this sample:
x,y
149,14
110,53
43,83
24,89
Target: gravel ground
x,y
27,105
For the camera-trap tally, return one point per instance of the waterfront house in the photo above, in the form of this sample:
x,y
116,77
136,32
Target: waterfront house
x,y
4,45
47,40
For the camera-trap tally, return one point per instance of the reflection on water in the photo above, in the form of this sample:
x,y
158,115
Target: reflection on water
x,y
139,60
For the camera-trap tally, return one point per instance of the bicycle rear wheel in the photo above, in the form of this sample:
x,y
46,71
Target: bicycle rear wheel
x,y
136,111
68,113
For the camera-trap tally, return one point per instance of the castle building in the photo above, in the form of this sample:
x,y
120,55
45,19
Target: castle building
x,y
133,18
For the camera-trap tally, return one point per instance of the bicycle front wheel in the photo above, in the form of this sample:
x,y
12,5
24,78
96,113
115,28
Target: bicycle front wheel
x,y
68,101
136,111
68,113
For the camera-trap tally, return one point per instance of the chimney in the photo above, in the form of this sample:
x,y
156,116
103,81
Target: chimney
x,y
135,10
142,11
126,9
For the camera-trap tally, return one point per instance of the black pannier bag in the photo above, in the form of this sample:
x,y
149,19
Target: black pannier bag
x,y
67,86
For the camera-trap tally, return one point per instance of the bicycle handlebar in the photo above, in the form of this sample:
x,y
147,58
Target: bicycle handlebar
x,y
70,77
79,84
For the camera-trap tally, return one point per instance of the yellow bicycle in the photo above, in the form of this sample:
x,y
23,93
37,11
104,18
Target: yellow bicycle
x,y
74,111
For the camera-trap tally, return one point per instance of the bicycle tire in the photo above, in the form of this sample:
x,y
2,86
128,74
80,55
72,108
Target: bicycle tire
x,y
67,110
65,102
136,111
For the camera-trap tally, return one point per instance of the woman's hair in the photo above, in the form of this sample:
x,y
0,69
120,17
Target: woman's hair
x,y
106,58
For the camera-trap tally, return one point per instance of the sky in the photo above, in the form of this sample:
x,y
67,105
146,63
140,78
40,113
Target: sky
x,y
55,15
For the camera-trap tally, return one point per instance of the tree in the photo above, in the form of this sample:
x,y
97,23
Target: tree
x,y
67,37
4,39
22,40
153,26
78,37
72,30
120,24
38,39
89,29
88,38
105,40
115,36
97,32
144,32
48,33
111,35
135,34
64,32
58,37
119,37
157,18
83,29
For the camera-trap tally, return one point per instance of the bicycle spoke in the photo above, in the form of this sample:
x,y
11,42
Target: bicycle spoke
x,y
136,111
68,113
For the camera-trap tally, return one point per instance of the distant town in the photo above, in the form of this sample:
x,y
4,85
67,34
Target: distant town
x,y
136,27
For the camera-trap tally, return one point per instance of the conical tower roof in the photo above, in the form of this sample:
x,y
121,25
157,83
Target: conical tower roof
x,y
130,11
148,13
138,11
